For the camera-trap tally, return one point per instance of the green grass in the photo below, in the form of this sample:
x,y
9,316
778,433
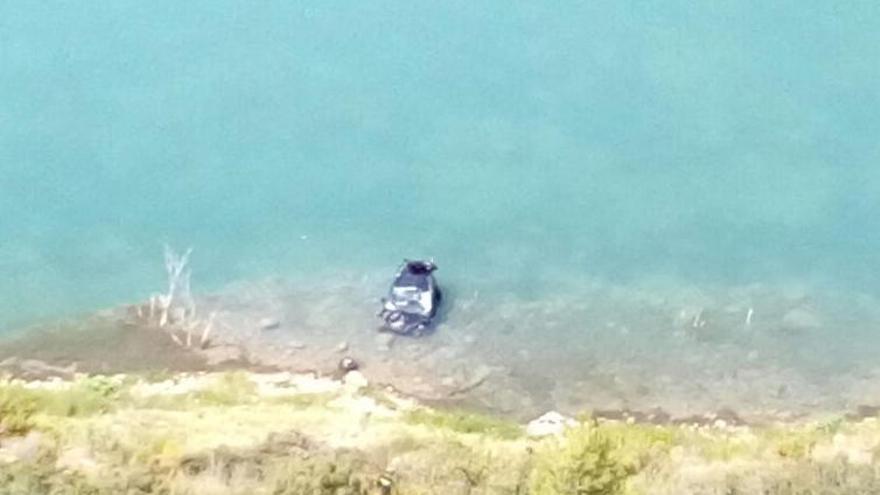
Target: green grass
x,y
19,405
232,388
465,422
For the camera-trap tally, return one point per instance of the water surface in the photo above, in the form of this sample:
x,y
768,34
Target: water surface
x,y
531,149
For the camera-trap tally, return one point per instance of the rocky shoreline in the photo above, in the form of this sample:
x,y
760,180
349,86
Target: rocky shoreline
x,y
752,355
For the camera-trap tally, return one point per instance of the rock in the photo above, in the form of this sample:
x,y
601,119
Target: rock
x,y
39,369
448,381
354,381
551,423
384,341
222,354
342,347
10,361
385,483
269,323
26,448
76,459
296,344
801,319
347,364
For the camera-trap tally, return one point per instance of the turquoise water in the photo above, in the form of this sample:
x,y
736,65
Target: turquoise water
x,y
526,147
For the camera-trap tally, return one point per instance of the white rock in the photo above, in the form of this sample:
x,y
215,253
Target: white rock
x,y
269,323
25,448
76,459
354,381
342,347
551,423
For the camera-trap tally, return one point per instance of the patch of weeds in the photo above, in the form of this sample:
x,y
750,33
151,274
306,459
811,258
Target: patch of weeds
x,y
812,478
301,401
17,408
831,426
84,398
342,474
380,397
792,443
43,478
587,461
723,447
230,389
638,444
465,422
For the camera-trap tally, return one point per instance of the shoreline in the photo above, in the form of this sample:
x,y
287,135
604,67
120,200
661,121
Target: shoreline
x,y
645,352
31,361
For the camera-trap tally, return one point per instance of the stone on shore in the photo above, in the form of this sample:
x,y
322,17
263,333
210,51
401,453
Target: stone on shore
x,y
551,423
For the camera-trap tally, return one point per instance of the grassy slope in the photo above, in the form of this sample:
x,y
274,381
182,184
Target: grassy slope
x,y
239,433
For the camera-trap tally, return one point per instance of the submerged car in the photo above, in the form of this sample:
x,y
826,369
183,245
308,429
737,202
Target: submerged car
x,y
413,300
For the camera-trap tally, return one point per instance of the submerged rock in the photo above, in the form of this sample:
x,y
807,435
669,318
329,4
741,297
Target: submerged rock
x,y
269,323
347,364
801,319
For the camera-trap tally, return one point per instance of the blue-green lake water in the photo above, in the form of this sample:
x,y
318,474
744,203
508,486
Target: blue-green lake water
x,y
528,147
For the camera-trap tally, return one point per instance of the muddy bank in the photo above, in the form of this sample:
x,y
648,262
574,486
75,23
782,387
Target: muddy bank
x,y
99,344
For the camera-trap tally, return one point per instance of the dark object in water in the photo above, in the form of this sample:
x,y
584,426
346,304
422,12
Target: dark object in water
x,y
413,299
348,364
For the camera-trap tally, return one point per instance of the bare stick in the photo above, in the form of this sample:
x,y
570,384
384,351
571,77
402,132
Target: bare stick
x,y
189,335
207,331
178,278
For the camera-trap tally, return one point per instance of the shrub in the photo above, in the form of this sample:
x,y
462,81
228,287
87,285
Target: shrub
x,y
585,462
17,408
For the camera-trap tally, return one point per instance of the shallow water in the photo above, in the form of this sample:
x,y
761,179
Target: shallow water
x,y
532,150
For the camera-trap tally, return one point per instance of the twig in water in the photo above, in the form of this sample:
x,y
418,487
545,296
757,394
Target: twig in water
x,y
207,331
178,284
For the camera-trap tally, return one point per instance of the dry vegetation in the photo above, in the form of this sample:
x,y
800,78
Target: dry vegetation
x,y
241,433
